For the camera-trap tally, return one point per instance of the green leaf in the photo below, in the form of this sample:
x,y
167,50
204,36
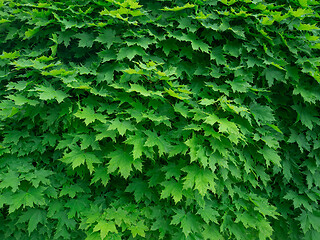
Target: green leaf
x,y
212,232
265,230
48,93
139,89
130,52
217,54
107,55
211,119
89,115
105,227
273,74
78,157
101,173
228,126
270,155
34,196
86,39
207,102
309,95
10,179
122,160
70,190
139,229
121,127
138,141
208,214
188,221
34,217
233,48
107,37
10,55
300,139
307,115
139,188
247,220
306,27
177,8
182,109
262,205
154,140
172,188
199,179
76,206
261,113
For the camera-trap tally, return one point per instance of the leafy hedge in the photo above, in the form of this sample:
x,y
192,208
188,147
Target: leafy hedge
x,y
159,119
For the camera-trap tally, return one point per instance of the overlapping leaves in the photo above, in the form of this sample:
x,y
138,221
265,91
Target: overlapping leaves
x,y
159,119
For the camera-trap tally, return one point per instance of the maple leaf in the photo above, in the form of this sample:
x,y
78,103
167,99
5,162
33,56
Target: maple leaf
x,y
272,73
86,39
10,179
139,89
307,115
21,100
30,198
108,37
199,179
265,230
104,132
89,115
217,54
298,200
208,214
139,229
89,140
159,141
78,157
161,225
39,176
247,220
138,141
48,93
228,126
262,205
105,227
34,217
121,127
182,109
172,170
309,219
262,114
120,159
76,206
211,119
187,220
70,190
300,140
139,188
212,232
101,173
233,48
178,8
130,52
10,55
270,155
173,188
107,55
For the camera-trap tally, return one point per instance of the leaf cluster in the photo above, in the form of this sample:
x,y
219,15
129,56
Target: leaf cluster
x,y
127,119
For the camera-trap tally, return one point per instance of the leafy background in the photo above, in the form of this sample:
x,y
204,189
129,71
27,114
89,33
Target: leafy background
x,y
159,119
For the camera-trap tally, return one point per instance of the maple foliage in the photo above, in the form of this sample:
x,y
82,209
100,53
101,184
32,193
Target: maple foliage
x,y
136,119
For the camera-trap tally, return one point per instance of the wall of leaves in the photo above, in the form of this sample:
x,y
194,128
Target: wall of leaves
x,y
159,119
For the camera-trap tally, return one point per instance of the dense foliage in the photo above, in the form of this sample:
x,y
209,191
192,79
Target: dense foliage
x,y
159,119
